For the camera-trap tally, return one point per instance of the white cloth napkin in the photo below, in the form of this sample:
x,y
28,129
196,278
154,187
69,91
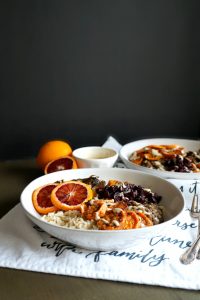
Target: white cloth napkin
x,y
156,262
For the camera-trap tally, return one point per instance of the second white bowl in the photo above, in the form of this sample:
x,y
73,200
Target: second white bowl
x,y
189,145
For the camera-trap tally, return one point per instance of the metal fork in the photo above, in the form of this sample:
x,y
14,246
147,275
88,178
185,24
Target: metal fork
x,y
194,251
195,213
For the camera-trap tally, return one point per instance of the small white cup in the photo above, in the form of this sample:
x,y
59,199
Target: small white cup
x,y
95,157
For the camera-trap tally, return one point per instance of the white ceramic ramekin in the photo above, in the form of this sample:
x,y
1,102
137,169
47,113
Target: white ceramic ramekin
x,y
95,157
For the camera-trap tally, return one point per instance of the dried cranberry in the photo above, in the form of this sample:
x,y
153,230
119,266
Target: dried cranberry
x,y
128,193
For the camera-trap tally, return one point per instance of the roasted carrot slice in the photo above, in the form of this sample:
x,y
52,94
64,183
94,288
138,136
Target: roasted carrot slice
x,y
132,220
142,150
149,156
173,146
169,154
145,220
156,146
137,161
113,182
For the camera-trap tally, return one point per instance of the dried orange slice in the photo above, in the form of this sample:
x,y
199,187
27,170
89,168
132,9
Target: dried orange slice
x,y
60,164
70,195
41,199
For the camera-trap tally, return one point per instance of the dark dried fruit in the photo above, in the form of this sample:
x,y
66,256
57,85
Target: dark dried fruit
x,y
178,164
127,193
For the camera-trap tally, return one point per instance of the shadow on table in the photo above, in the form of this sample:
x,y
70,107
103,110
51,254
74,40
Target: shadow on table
x,y
14,176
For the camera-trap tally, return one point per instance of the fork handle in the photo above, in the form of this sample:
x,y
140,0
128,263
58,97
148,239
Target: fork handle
x,y
198,254
188,256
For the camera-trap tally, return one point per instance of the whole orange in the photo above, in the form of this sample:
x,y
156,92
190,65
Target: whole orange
x,y
52,150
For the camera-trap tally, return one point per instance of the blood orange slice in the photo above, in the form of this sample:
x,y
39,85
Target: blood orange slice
x,y
41,199
71,194
60,164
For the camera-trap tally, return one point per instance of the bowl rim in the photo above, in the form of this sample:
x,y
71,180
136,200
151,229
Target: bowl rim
x,y
91,231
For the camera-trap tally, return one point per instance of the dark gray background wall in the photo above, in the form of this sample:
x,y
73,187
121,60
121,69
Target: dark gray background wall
x,y
82,70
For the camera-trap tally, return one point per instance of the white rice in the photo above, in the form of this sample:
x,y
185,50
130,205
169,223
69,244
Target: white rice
x,y
69,219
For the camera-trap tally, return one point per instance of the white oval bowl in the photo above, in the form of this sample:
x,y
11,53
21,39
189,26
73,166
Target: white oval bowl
x,y
95,157
129,148
172,200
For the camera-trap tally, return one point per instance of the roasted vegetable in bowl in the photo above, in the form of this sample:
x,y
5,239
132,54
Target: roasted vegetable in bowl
x,y
115,205
167,158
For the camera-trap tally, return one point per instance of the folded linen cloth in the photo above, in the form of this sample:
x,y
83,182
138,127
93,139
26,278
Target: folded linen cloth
x,y
25,246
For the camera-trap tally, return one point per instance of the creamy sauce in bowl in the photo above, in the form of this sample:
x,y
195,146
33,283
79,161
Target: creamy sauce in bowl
x,y
95,156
